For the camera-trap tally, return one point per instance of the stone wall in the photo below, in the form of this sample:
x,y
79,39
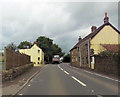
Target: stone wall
x,y
13,73
74,54
15,65
84,54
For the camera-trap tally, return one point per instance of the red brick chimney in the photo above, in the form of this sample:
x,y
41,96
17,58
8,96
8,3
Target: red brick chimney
x,y
93,28
79,38
35,42
106,19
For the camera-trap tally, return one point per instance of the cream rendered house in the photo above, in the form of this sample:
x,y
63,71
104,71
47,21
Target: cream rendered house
x,y
36,54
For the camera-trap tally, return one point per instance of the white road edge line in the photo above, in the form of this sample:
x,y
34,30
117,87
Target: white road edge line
x,y
107,77
88,72
66,72
100,75
79,81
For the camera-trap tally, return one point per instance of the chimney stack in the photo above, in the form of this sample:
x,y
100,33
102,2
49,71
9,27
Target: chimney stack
x,y
35,42
106,19
93,28
79,38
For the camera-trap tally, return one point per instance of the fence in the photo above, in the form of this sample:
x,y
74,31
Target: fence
x,y
14,59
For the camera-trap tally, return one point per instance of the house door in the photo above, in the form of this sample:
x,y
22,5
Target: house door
x,y
92,62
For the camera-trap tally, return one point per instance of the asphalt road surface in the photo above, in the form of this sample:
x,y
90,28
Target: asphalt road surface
x,y
0,66
63,79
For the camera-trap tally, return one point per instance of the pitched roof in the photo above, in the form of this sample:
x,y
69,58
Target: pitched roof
x,y
75,46
111,47
91,35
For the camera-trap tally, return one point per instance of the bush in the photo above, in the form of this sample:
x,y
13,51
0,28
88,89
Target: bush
x,y
107,53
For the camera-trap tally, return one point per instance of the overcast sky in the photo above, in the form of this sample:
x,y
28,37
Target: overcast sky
x,y
63,22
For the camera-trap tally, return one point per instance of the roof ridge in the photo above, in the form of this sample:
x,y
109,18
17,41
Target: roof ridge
x,y
91,35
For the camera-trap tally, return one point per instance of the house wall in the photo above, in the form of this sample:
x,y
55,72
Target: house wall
x,y
33,52
84,54
74,57
106,36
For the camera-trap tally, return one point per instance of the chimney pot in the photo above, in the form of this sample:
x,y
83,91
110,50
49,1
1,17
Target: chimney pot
x,y
106,19
79,38
93,28
105,14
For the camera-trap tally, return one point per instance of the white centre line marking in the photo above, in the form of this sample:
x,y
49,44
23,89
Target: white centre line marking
x,y
58,66
99,96
79,81
29,85
61,69
66,72
20,94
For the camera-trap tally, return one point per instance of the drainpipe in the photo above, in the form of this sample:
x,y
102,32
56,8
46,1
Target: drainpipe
x,y
80,56
89,52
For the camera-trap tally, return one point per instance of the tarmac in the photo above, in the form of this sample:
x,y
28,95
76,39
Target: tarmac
x,y
13,86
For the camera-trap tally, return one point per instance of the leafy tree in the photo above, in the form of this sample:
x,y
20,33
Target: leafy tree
x,y
11,46
66,58
57,50
49,49
24,45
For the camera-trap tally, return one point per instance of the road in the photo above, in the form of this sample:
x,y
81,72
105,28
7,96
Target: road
x,y
0,66
63,79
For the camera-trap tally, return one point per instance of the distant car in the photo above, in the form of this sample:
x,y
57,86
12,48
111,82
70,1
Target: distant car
x,y
56,59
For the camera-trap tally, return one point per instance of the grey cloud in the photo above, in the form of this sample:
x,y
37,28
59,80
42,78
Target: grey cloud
x,y
63,22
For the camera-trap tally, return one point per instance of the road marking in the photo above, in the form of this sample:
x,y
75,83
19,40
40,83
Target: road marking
x,y
20,94
79,81
107,77
61,69
99,96
66,72
88,72
29,85
92,91
99,75
102,76
58,66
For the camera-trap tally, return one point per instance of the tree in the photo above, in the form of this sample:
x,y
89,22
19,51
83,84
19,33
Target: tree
x,y
49,49
57,50
24,45
66,58
11,46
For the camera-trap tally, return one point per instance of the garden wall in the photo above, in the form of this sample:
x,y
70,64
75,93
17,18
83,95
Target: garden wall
x,y
15,65
107,64
14,59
